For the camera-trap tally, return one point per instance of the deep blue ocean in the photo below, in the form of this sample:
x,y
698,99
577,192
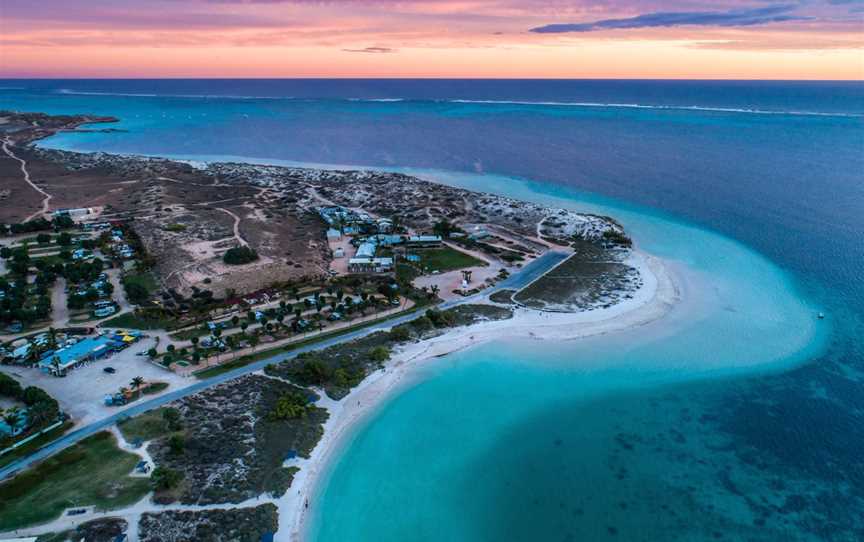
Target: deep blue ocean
x,y
776,166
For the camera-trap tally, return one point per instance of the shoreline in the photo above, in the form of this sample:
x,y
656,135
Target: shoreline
x,y
656,298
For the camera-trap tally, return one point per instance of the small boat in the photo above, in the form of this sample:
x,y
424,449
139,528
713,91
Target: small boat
x,y
821,315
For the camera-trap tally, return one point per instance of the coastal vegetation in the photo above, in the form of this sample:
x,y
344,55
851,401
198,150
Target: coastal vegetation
x,y
232,440
39,411
339,368
151,424
239,255
94,530
589,279
505,297
237,524
93,472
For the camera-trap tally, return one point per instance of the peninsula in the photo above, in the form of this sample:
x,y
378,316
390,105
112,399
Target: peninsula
x,y
185,344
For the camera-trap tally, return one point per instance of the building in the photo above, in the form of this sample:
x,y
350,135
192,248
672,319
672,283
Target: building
x,y
424,241
339,252
87,349
73,213
370,265
387,240
366,250
385,225
333,234
102,312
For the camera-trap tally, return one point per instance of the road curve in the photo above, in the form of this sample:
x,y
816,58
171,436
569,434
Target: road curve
x,y
516,281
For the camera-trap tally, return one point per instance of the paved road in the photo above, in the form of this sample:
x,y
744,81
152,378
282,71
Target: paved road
x,y
518,280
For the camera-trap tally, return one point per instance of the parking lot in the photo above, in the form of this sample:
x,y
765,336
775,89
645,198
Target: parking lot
x,y
81,393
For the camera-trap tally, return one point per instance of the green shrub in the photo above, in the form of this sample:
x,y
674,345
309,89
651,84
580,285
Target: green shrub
x,y
239,256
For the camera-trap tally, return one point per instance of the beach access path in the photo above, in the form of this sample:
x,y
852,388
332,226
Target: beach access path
x,y
518,280
46,201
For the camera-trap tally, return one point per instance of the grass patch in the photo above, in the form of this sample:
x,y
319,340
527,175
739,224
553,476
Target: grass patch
x,y
505,297
93,472
406,273
154,388
27,449
146,426
447,259
133,321
144,280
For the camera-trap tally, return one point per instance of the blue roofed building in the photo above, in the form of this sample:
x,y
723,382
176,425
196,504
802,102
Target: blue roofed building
x,y
88,349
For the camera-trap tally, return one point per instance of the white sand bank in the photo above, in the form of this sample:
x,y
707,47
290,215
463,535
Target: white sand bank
x,y
659,293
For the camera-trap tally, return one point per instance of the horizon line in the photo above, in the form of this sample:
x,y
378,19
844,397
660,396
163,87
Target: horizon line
x,y
421,78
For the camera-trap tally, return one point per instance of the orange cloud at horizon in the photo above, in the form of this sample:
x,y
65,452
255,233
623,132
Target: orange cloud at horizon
x,y
419,38
662,60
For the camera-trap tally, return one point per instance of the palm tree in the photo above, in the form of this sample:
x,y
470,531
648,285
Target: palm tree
x,y
52,338
38,413
12,416
136,383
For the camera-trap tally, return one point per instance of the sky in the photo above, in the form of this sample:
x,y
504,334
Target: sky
x,y
691,39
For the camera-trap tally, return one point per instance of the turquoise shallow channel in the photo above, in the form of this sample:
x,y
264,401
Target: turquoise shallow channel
x,y
593,439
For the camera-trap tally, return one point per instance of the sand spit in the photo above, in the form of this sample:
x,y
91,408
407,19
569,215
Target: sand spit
x,y
659,293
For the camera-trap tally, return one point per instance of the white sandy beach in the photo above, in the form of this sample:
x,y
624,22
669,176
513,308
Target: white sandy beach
x,y
659,293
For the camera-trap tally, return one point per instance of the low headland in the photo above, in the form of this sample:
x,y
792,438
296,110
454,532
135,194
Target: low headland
x,y
252,316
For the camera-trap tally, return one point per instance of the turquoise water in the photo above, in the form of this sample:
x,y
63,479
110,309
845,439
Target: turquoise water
x,y
559,440
738,417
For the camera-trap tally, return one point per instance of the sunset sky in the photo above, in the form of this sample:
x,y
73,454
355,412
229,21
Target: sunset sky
x,y
821,39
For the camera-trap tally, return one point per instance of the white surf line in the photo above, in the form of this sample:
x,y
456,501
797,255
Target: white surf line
x,y
47,199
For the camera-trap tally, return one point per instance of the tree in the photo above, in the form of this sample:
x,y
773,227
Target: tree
x,y
239,255
400,334
314,371
55,365
152,353
136,383
194,341
136,293
43,238
289,406
443,228
41,413
176,444
164,478
172,416
379,354
64,239
12,416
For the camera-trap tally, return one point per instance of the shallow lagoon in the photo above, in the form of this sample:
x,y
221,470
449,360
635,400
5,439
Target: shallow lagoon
x,y
579,440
